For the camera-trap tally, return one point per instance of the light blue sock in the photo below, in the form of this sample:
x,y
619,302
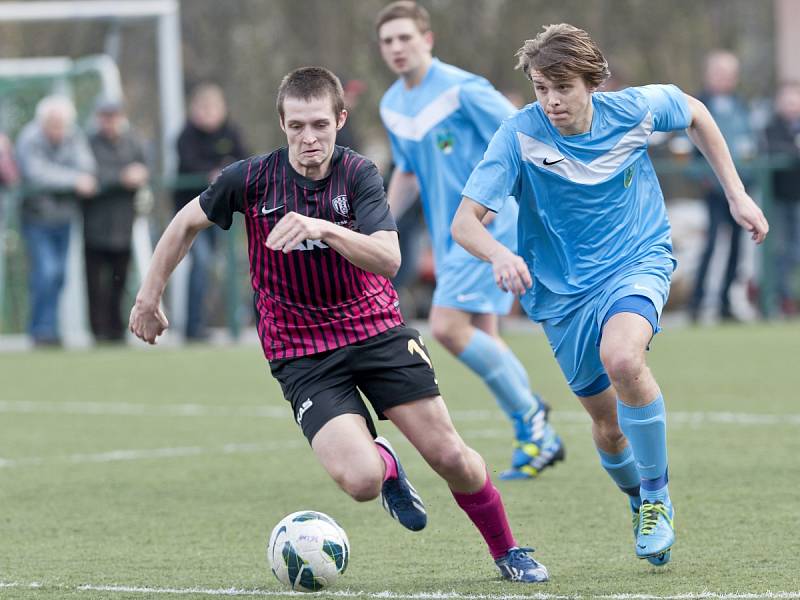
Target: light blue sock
x,y
522,375
622,469
488,360
646,430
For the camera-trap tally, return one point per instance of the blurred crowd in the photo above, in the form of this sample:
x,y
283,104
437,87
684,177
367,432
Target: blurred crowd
x,y
103,176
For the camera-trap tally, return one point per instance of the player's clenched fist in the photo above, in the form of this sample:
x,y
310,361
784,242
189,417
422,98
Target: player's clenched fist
x,y
294,229
147,323
511,274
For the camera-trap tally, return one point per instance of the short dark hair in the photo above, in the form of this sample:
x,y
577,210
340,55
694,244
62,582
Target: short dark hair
x,y
306,83
561,52
404,9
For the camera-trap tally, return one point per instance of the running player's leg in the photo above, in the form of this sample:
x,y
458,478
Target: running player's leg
x,y
338,425
642,417
485,353
616,456
537,445
346,449
427,425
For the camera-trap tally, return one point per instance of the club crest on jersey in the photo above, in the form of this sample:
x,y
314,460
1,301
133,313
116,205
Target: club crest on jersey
x,y
445,142
341,205
628,176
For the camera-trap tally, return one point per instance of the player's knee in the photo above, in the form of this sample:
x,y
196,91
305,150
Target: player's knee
x,y
450,460
362,487
443,332
622,365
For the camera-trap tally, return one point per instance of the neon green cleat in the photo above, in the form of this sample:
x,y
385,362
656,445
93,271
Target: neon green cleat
x,y
654,531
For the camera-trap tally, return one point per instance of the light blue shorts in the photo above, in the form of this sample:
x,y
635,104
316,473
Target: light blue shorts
x,y
468,285
575,338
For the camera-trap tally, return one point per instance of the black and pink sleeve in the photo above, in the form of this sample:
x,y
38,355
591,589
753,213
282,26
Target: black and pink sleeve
x,y
369,201
225,195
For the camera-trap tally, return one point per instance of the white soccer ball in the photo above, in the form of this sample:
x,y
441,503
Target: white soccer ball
x,y
307,551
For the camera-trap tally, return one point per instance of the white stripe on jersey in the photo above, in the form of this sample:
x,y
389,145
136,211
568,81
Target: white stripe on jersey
x,y
597,171
415,128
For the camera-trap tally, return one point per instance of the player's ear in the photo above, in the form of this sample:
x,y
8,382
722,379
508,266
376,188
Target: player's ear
x,y
283,127
428,37
341,120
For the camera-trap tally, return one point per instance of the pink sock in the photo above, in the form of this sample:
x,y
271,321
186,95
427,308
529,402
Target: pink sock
x,y
391,465
485,509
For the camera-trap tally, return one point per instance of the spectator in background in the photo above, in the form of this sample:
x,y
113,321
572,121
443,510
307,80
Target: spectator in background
x,y
57,165
349,135
208,142
108,218
782,137
9,175
733,117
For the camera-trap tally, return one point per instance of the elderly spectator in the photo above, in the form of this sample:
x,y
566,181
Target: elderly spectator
x,y
733,117
208,142
782,137
57,167
108,218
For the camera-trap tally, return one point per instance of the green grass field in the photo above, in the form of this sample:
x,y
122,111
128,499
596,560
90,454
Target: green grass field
x,y
159,473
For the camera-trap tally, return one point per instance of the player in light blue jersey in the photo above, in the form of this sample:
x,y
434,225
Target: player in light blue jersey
x,y
439,120
595,254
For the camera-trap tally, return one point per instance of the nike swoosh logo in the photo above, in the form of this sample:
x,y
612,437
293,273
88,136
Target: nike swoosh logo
x,y
468,297
548,164
268,211
642,547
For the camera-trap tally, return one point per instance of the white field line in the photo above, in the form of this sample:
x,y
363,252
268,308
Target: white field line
x,y
155,453
283,412
388,595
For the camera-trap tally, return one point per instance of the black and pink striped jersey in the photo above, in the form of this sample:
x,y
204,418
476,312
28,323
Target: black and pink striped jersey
x,y
312,299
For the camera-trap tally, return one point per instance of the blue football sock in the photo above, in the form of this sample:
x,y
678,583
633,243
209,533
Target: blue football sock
x,y
646,430
489,361
522,375
622,469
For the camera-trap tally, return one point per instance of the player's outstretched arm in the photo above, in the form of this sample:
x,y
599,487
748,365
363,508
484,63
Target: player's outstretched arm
x,y
706,135
511,274
378,253
147,320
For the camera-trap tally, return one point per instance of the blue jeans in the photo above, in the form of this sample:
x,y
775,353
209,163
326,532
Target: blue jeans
x,y
47,247
202,253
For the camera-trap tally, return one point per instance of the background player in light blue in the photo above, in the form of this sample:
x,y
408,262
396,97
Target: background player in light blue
x,y
440,119
594,235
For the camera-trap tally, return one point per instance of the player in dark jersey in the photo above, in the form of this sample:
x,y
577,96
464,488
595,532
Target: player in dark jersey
x,y
322,244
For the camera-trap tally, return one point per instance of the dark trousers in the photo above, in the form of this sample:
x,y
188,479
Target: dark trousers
x,y
718,215
106,272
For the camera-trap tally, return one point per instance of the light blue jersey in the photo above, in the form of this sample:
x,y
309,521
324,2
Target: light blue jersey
x,y
590,205
439,131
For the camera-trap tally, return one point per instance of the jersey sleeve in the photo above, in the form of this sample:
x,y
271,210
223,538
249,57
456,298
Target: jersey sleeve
x,y
369,201
225,195
668,106
496,176
485,107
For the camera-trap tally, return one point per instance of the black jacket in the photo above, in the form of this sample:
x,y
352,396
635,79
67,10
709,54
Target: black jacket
x,y
201,152
108,217
783,138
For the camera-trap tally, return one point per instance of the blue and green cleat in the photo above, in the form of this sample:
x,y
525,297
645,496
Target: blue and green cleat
x,y
516,565
536,447
654,531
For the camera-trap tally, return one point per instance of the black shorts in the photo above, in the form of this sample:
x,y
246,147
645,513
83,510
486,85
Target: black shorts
x,y
390,369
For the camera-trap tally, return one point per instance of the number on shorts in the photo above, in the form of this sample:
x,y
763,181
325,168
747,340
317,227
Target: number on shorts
x,y
413,347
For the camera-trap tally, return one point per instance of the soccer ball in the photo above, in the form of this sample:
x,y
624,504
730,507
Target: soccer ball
x,y
307,551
